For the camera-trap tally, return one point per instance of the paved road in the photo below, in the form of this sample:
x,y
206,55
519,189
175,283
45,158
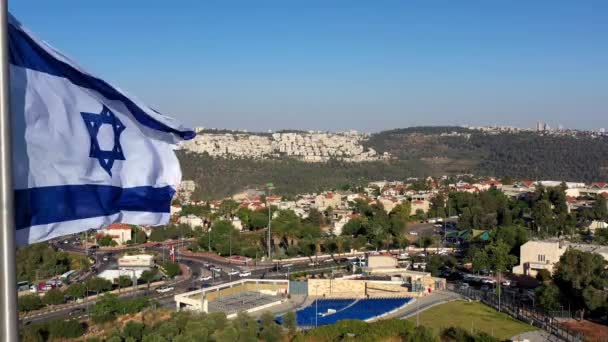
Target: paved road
x,y
426,302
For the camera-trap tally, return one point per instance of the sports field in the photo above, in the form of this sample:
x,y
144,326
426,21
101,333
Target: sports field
x,y
471,315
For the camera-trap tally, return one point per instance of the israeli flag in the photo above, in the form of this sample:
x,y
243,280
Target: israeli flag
x,y
85,154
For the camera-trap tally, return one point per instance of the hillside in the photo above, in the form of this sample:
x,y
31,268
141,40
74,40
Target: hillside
x,y
220,177
417,151
520,155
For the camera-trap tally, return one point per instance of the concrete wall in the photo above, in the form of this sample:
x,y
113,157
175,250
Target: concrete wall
x,y
381,261
355,288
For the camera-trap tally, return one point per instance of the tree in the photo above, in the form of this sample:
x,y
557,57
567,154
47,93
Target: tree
x,y
149,275
172,269
434,264
105,309
548,296
481,261
76,290
542,215
228,208
29,302
62,329
53,297
289,322
258,219
105,241
137,235
97,285
124,281
579,275
247,327
420,215
543,275
425,241
352,228
600,208
40,261
133,329
270,330
403,210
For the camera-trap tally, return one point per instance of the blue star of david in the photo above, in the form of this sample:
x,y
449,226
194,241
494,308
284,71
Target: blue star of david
x,y
93,122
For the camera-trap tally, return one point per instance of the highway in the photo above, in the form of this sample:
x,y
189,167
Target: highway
x,y
198,265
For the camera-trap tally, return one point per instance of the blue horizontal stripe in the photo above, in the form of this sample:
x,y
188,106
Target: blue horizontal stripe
x,y
53,204
25,52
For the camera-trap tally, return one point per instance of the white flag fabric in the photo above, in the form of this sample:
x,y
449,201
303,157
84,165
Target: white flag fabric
x,y
85,154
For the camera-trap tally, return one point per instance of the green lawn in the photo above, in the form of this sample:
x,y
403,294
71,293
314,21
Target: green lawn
x,y
471,314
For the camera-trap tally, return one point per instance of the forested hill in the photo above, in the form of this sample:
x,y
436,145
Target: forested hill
x,y
417,151
520,155
221,177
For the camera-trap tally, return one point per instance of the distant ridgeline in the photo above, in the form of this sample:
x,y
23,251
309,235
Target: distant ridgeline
x,y
309,165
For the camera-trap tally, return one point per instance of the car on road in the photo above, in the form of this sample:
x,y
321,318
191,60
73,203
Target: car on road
x,y
233,272
165,289
508,282
464,286
76,312
216,269
105,258
245,274
206,265
65,242
413,233
205,278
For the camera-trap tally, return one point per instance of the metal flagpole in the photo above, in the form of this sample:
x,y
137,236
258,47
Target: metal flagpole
x,y
8,281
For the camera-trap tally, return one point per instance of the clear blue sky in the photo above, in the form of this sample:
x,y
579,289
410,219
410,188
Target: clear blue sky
x,y
333,65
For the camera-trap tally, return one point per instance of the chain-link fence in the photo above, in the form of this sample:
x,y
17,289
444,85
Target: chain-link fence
x,y
514,307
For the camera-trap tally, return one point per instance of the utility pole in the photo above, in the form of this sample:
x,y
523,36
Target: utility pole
x,y
269,186
418,309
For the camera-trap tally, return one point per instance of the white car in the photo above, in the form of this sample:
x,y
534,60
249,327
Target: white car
x,y
165,289
245,274
205,278
216,269
233,272
413,233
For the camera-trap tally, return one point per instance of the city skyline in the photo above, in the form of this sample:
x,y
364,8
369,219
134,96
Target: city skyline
x,y
319,66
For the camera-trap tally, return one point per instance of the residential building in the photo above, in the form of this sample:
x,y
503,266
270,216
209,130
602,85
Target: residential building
x,y
420,205
326,200
536,255
191,220
120,232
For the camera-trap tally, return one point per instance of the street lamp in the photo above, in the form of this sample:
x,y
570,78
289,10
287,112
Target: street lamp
x,y
269,187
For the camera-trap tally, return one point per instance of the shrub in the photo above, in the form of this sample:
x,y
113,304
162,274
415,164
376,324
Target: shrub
x,y
53,297
133,329
29,302
543,276
66,329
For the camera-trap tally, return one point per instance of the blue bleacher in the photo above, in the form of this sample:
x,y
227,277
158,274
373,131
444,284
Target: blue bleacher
x,y
306,316
364,309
